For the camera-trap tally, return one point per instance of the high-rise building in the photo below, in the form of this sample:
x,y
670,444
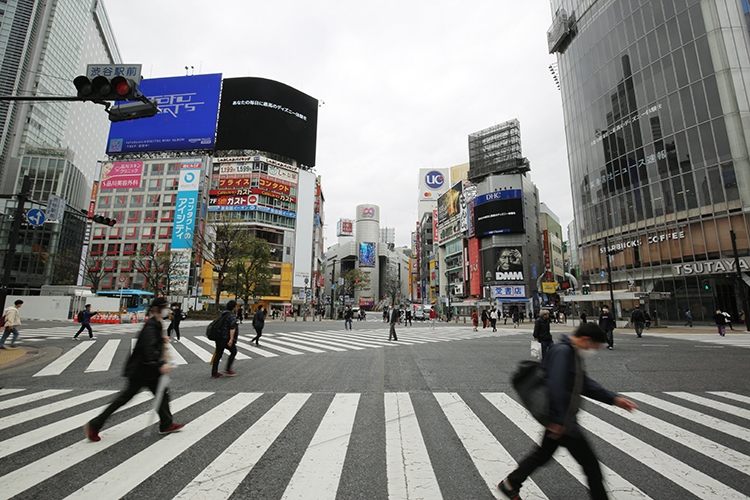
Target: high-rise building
x,y
656,115
43,47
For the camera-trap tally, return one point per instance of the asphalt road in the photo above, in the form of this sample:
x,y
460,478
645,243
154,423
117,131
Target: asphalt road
x,y
317,412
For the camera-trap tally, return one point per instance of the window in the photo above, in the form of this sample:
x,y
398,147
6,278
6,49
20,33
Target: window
x,y
129,249
115,233
170,200
153,200
136,201
105,202
148,233
150,215
133,216
126,265
131,233
113,249
97,249
96,265
165,232
166,215
121,201
111,265
157,168
97,233
154,184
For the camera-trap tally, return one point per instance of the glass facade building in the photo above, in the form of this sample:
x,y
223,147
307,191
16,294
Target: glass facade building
x,y
657,118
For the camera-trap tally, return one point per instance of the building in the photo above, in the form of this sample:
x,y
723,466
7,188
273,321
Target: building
x,y
552,244
44,46
388,235
655,109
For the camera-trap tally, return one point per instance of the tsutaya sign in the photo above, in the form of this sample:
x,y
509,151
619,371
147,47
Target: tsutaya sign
x,y
677,234
710,267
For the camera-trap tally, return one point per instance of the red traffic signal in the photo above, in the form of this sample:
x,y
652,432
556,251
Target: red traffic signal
x,y
102,88
104,220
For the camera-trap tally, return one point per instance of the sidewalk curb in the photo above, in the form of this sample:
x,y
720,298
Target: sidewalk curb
x,y
34,356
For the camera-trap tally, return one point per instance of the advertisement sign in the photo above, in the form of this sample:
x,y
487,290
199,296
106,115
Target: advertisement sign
x,y
186,206
368,212
549,286
499,215
449,204
121,174
435,235
188,107
508,292
251,208
508,264
256,113
367,254
345,227
475,274
432,183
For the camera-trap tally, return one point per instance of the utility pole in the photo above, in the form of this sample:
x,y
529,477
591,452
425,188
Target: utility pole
x,y
13,238
740,281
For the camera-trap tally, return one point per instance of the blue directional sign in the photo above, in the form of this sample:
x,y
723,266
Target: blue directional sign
x,y
35,217
602,274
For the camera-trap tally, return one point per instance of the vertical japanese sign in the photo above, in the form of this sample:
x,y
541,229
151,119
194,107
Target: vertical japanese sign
x,y
187,206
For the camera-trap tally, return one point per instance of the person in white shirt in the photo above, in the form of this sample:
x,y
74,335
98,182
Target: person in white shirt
x,y
493,319
12,322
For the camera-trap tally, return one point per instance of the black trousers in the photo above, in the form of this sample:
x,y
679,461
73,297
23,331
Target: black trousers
x,y
173,326
258,333
220,346
578,447
87,327
392,332
135,385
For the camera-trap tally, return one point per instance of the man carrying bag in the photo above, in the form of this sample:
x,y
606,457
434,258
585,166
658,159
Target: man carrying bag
x,y
566,381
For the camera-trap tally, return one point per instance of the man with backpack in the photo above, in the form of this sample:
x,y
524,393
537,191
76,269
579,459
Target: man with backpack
x,y
226,339
84,318
144,368
566,382
638,319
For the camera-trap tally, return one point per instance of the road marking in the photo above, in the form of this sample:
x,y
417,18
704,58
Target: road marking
x,y
34,473
730,395
693,480
270,343
64,361
254,350
489,456
321,466
408,466
103,360
709,346
295,345
5,392
175,356
716,405
197,350
616,485
30,398
212,344
44,433
41,411
117,482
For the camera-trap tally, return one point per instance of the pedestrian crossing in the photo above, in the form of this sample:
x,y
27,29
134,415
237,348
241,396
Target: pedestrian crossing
x,y
363,445
713,339
101,354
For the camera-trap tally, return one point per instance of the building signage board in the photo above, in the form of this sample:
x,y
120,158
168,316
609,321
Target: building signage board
x,y
499,212
673,234
345,227
251,208
55,208
131,71
121,175
509,264
711,267
508,292
188,107
432,183
186,205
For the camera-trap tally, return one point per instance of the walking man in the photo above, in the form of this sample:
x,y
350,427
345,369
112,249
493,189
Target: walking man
x,y
259,321
566,383
688,318
394,317
174,325
12,322
143,369
583,317
407,317
433,317
84,317
515,318
493,319
228,340
607,323
542,332
638,320
485,318
348,315
721,322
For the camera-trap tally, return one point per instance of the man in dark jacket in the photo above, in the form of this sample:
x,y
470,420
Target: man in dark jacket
x,y
607,324
143,369
638,319
565,371
348,316
174,325
85,318
259,321
395,317
542,333
228,340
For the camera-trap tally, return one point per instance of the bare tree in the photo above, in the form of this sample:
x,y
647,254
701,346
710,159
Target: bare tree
x,y
355,279
149,263
66,266
393,289
222,244
173,266
93,271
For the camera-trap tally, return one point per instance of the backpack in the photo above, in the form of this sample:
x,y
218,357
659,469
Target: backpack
x,y
80,317
215,329
530,382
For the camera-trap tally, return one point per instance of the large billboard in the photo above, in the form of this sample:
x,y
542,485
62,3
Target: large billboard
x,y
367,254
449,204
508,264
187,205
121,175
265,115
433,182
499,212
188,107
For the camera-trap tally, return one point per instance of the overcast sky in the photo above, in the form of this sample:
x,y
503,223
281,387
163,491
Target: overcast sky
x,y
403,83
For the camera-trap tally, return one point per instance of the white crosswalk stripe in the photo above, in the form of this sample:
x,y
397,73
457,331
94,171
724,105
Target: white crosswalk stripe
x,y
475,444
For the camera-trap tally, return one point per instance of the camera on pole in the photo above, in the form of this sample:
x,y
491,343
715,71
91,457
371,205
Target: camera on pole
x,y
104,220
103,88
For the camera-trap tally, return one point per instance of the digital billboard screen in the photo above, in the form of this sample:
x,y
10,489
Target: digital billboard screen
x,y
449,204
188,107
261,114
367,254
498,213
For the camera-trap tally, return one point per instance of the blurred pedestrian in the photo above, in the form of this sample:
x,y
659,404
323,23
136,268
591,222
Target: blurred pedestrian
x,y
475,319
607,323
542,332
12,322
84,318
583,317
174,325
259,321
227,340
729,319
721,322
348,316
433,317
688,318
516,317
395,316
493,319
485,318
638,320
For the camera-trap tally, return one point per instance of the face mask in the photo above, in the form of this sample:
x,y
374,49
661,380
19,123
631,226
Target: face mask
x,y
165,313
586,353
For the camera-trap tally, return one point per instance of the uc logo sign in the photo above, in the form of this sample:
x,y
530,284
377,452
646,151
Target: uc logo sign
x,y
368,212
189,177
434,180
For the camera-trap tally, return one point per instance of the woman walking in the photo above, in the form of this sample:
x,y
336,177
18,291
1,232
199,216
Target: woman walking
x,y
721,322
259,320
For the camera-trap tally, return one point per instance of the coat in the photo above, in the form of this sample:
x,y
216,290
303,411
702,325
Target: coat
x,y
541,329
147,354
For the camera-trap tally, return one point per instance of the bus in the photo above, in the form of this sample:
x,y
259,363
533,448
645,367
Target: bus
x,y
133,300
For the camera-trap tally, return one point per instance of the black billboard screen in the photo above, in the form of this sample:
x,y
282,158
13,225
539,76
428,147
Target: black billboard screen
x,y
265,115
499,216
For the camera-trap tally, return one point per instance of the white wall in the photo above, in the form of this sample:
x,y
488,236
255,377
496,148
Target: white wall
x,y
37,307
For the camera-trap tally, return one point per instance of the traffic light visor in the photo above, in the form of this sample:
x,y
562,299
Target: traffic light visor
x,y
102,85
83,86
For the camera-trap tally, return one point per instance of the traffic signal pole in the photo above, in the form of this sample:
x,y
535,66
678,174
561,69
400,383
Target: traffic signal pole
x,y
10,252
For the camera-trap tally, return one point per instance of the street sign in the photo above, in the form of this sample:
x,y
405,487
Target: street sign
x,y
132,71
121,279
341,281
333,287
35,217
55,208
602,273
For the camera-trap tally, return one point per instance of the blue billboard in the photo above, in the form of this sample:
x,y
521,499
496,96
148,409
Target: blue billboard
x,y
186,206
188,109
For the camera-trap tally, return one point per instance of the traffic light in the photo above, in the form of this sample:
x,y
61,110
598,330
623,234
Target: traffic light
x,y
102,88
585,289
706,285
132,111
104,220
